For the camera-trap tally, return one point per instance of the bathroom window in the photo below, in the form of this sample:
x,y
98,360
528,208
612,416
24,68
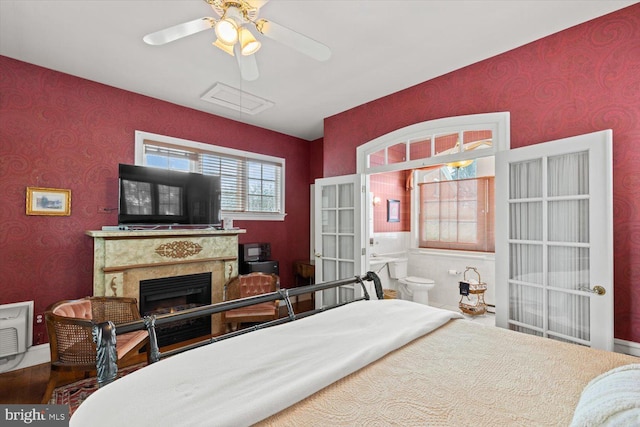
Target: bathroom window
x,y
252,184
456,209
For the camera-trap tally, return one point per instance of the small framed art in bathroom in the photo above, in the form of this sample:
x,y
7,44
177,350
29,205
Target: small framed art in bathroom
x,y
393,210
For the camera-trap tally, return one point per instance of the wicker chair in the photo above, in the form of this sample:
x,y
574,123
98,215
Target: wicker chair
x,y
70,324
249,285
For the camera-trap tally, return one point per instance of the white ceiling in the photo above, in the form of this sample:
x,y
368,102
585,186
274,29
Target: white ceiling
x,y
101,40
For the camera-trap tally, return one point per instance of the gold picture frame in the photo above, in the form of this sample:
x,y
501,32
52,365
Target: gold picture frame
x,y
48,201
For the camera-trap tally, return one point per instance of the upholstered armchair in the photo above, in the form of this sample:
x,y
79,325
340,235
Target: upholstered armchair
x,y
249,285
70,326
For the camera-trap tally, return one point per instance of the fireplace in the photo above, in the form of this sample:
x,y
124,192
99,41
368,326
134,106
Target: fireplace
x,y
123,259
172,294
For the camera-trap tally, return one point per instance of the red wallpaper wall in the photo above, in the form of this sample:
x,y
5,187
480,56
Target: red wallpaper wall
x,y
315,163
581,80
60,131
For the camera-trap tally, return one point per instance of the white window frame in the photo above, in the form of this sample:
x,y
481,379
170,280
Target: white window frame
x,y
498,123
141,137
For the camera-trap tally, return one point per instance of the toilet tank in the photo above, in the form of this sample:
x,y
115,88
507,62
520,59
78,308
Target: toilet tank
x,y
398,268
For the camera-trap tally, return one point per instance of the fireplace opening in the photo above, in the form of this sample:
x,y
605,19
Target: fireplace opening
x,y
173,294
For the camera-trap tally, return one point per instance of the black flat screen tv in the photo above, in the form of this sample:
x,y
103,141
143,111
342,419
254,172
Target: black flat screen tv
x,y
150,196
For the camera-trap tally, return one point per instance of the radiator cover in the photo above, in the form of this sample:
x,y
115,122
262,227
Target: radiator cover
x,y
16,326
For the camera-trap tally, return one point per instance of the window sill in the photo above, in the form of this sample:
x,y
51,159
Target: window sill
x,y
254,216
455,253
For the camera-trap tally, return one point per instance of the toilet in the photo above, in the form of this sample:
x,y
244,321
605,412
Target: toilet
x,y
410,288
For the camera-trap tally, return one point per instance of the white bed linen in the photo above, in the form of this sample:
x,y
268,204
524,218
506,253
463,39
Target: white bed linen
x,y
245,379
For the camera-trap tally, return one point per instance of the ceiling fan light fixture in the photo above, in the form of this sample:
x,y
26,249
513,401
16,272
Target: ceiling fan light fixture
x,y
223,47
248,43
227,31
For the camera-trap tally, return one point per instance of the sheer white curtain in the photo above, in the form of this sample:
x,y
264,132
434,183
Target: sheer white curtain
x,y
549,236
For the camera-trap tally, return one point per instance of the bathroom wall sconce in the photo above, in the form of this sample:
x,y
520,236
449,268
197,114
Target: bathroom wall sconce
x,y
376,201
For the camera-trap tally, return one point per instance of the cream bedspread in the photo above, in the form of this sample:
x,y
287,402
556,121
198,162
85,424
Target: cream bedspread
x,y
462,374
245,379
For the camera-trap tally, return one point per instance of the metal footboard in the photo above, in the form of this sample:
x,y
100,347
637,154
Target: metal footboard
x,y
104,334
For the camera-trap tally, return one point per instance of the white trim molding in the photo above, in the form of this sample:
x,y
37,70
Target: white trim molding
x,y
626,347
498,123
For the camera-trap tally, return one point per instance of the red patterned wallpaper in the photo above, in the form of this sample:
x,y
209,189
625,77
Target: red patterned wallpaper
x,y
60,131
581,80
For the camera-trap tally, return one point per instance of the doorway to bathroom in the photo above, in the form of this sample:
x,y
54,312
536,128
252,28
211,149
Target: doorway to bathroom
x,y
428,144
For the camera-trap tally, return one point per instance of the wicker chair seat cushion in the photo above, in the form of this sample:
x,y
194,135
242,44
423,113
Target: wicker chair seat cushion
x,y
80,309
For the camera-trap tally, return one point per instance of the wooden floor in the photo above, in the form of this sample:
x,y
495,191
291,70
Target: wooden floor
x,y
28,386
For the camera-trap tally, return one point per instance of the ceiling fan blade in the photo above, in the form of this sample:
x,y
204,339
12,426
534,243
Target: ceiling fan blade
x,y
294,40
178,31
247,64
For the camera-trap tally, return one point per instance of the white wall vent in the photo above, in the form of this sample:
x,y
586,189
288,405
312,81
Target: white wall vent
x,y
16,328
236,99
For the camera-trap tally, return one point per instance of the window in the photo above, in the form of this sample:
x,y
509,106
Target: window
x,y
456,212
252,184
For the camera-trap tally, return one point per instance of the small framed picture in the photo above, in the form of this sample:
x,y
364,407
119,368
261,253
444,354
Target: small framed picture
x,y
393,210
48,201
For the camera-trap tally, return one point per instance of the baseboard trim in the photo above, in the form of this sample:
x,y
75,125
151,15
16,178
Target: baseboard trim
x,y
626,347
35,355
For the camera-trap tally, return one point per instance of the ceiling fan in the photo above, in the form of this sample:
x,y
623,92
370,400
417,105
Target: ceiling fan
x,y
234,36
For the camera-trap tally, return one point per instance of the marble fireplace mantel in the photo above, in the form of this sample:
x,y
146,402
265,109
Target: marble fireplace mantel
x,y
121,259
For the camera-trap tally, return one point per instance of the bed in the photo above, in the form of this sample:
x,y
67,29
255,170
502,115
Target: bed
x,y
375,362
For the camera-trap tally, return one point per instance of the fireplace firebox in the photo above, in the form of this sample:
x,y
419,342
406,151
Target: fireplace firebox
x,y
172,294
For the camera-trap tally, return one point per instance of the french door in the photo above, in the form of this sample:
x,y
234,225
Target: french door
x,y
554,240
338,236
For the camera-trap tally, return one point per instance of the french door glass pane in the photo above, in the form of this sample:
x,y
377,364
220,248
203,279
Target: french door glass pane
x,y
329,297
328,270
525,221
346,294
526,305
329,221
346,269
568,174
525,179
329,196
346,195
569,221
346,221
569,314
329,246
346,247
568,267
526,262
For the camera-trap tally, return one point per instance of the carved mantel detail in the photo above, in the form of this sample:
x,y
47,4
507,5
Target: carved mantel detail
x,y
178,249
122,259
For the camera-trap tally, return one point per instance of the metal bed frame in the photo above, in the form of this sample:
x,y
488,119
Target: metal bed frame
x,y
104,334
